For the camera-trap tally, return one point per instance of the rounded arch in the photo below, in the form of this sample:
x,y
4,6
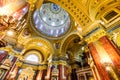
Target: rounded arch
x,y
67,40
40,44
33,56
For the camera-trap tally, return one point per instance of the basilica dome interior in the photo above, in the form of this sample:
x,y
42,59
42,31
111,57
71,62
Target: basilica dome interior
x,y
59,39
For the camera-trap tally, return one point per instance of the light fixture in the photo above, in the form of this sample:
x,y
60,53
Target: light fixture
x,y
108,68
82,48
102,22
105,60
10,33
79,28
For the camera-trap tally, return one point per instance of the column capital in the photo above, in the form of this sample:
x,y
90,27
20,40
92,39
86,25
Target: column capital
x,y
95,36
42,67
19,64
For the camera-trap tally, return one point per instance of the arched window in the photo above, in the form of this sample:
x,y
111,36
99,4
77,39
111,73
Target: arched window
x,y
32,58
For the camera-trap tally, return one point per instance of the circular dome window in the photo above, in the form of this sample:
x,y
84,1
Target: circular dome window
x,y
51,20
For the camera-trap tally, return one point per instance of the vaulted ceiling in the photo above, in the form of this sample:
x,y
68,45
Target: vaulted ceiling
x,y
54,27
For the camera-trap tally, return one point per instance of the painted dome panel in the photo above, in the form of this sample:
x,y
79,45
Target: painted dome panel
x,y
51,20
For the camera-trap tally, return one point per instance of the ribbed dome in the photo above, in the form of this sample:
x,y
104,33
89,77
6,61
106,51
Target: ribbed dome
x,y
51,20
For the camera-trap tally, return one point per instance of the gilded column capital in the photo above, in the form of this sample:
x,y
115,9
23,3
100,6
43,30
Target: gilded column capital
x,y
95,36
42,67
19,64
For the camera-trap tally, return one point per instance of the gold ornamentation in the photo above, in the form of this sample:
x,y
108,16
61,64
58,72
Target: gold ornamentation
x,y
32,4
26,74
95,36
42,67
19,64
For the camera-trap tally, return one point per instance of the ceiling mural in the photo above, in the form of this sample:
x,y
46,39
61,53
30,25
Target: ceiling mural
x,y
51,20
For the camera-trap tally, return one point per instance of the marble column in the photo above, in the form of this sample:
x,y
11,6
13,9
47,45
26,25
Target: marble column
x,y
112,51
62,72
97,60
14,73
3,55
13,66
48,73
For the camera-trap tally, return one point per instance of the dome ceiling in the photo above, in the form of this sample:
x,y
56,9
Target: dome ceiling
x,y
51,20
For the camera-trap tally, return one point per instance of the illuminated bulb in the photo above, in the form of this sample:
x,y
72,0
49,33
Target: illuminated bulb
x,y
79,28
82,48
10,33
105,60
108,68
76,24
102,22
39,44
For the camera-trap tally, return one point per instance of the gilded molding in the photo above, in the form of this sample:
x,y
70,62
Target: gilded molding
x,y
42,67
32,4
76,10
95,36
60,62
19,64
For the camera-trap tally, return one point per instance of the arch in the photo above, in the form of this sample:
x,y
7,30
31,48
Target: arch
x,y
33,54
66,42
39,44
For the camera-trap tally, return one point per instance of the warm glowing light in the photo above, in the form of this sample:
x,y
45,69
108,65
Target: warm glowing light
x,y
11,7
102,22
79,28
10,33
105,60
39,44
108,68
3,11
82,48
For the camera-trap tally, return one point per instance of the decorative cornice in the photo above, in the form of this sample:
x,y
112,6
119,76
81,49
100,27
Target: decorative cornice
x,y
95,36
